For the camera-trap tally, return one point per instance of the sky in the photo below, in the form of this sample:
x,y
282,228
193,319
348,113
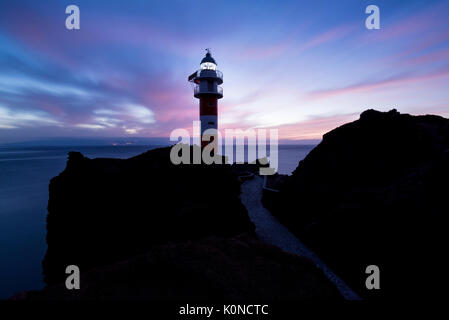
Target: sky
x,y
302,67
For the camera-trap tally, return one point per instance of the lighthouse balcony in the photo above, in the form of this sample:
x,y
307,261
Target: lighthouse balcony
x,y
215,75
198,91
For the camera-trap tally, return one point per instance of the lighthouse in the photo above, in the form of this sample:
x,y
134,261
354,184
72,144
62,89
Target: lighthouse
x,y
206,87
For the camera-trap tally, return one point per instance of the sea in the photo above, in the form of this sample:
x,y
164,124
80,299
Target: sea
x,y
25,173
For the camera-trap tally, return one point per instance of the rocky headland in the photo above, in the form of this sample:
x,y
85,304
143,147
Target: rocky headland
x,y
144,228
374,192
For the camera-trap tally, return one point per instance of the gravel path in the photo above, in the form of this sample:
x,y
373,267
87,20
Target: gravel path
x,y
271,231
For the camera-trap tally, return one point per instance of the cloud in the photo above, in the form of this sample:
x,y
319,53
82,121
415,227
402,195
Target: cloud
x,y
129,118
315,127
23,84
373,85
90,126
140,113
328,36
11,119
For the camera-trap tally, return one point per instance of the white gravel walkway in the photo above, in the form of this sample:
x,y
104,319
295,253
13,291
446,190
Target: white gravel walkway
x,y
270,231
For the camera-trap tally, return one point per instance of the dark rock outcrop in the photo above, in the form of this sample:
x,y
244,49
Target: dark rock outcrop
x,y
143,228
105,210
212,269
375,191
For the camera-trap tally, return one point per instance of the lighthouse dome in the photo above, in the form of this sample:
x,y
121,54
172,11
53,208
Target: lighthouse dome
x,y
208,63
208,58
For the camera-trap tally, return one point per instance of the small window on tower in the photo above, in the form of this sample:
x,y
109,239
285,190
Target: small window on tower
x,y
211,123
210,104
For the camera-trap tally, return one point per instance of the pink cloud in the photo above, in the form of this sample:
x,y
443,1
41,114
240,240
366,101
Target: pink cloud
x,y
423,43
328,36
314,128
442,55
291,42
399,80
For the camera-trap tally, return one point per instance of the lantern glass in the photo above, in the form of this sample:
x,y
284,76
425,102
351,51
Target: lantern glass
x,y
208,66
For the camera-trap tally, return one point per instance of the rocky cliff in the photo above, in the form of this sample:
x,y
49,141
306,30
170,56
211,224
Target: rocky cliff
x,y
374,191
143,228
104,210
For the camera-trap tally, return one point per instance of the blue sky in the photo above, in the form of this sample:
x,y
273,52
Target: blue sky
x,y
301,67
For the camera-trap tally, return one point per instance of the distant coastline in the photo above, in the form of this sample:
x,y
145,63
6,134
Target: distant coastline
x,y
119,141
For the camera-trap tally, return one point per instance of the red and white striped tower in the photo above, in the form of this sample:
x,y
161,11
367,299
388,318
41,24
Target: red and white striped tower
x,y
207,88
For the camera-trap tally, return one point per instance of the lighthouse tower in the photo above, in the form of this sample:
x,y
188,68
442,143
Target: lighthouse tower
x,y
207,88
